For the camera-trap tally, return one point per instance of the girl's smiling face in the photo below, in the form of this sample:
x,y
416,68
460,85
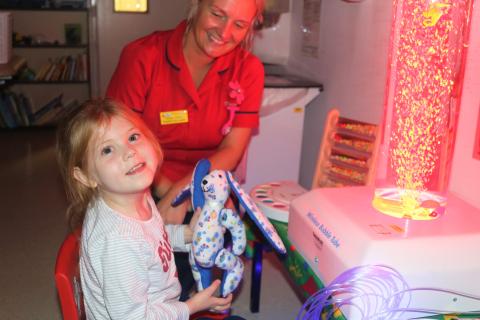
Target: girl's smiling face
x,y
121,160
221,25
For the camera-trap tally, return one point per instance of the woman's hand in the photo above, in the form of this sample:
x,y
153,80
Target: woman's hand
x,y
161,185
205,299
172,215
188,233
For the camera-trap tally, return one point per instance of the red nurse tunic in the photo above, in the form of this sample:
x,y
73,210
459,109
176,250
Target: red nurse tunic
x,y
153,79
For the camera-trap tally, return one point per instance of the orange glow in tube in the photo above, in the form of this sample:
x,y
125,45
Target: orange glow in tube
x,y
427,54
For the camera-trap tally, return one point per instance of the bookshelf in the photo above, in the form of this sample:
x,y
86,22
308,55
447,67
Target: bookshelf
x,y
53,40
348,153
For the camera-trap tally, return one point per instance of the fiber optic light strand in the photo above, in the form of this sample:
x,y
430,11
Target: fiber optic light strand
x,y
373,292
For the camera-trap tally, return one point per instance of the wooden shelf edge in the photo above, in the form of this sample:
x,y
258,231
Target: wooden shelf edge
x,y
355,135
350,166
350,151
16,8
50,46
344,179
29,128
47,82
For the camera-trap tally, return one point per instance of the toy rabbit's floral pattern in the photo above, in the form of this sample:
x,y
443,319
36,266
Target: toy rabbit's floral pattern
x,y
210,191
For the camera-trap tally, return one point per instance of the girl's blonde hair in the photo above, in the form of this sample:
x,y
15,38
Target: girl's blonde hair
x,y
247,42
73,141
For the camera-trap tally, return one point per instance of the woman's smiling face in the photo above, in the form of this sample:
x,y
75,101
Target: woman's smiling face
x,y
221,25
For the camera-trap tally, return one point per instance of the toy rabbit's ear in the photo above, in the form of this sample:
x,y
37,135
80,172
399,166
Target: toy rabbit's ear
x,y
181,196
257,216
201,170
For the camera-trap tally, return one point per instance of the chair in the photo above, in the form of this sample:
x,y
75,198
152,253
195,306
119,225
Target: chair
x,y
67,278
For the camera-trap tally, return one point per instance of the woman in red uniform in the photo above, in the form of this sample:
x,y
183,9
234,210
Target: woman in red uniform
x,y
198,88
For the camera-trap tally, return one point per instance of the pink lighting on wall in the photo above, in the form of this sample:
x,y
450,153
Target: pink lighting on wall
x,y
427,53
476,149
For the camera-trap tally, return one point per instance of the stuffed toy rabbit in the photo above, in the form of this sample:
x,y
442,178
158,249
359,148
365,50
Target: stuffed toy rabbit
x,y
210,191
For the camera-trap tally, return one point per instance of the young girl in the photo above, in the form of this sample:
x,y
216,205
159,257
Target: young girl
x,y
108,159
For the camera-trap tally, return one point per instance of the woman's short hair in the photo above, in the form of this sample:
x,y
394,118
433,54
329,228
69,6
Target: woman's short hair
x,y
247,42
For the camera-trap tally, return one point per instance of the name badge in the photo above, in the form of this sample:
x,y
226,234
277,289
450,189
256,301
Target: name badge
x,y
173,117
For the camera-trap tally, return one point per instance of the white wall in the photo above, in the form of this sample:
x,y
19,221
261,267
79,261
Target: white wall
x,y
465,175
114,30
354,39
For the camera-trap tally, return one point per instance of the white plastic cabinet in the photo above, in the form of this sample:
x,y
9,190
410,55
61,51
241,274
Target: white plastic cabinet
x,y
275,148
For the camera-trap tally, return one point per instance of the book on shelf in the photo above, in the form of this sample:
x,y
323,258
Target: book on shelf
x,y
27,104
55,115
49,117
64,68
12,103
71,74
59,66
7,71
15,110
8,117
46,109
43,71
24,109
18,62
49,72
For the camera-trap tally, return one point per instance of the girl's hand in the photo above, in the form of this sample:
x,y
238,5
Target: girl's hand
x,y
205,299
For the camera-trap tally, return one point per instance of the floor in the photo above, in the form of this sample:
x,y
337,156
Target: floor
x,y
32,226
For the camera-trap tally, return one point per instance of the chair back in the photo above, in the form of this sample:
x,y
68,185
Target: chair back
x,y
208,315
67,278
